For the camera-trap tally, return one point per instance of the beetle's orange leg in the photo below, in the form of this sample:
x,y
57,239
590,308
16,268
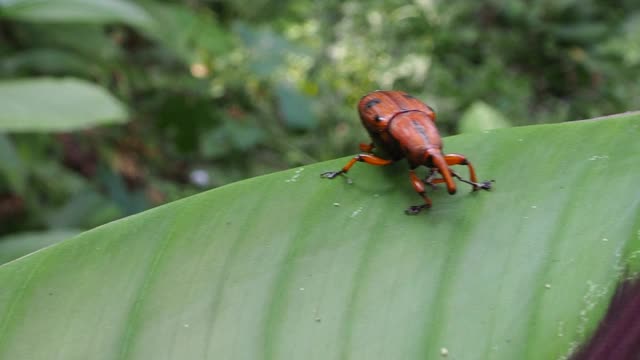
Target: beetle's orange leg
x,y
457,159
367,158
418,185
367,147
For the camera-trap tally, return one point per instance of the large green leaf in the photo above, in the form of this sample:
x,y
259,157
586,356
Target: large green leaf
x,y
292,266
47,104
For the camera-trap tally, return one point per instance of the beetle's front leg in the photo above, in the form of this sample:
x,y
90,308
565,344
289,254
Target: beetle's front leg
x,y
418,185
367,158
457,159
485,185
367,147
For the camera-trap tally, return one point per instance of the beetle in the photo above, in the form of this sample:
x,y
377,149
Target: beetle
x,y
404,127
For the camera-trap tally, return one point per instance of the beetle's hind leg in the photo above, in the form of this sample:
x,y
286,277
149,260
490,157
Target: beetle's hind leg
x,y
418,185
366,158
431,180
457,159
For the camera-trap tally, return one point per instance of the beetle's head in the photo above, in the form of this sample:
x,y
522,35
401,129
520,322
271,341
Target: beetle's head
x,y
376,110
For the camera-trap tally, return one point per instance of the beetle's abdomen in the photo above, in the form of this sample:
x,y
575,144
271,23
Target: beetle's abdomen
x,y
415,133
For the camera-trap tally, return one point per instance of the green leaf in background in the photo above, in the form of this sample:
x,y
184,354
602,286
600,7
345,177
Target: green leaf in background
x,y
85,209
47,104
49,61
267,50
480,117
11,166
295,108
70,49
292,266
76,11
189,33
17,245
627,44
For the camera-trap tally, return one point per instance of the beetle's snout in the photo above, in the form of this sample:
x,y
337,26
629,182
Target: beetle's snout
x,y
451,191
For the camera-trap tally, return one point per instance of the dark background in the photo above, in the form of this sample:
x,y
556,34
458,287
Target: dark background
x,y
219,91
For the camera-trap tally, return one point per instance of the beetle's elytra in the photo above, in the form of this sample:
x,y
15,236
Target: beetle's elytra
x,y
404,127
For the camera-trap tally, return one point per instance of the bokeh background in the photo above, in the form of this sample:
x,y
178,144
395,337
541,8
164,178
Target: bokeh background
x,y
221,90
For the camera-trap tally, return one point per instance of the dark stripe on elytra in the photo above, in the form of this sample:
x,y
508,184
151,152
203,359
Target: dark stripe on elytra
x,y
399,104
372,102
421,130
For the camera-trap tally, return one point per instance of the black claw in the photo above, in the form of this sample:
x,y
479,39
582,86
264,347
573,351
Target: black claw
x,y
415,209
485,185
331,174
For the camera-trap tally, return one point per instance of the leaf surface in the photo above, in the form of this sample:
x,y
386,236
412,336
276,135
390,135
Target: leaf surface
x,y
76,11
292,266
48,104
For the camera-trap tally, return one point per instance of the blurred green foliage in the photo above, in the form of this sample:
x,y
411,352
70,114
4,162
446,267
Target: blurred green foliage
x,y
221,90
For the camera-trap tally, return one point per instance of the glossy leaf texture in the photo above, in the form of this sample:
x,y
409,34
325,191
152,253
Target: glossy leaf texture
x,y
48,104
292,266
